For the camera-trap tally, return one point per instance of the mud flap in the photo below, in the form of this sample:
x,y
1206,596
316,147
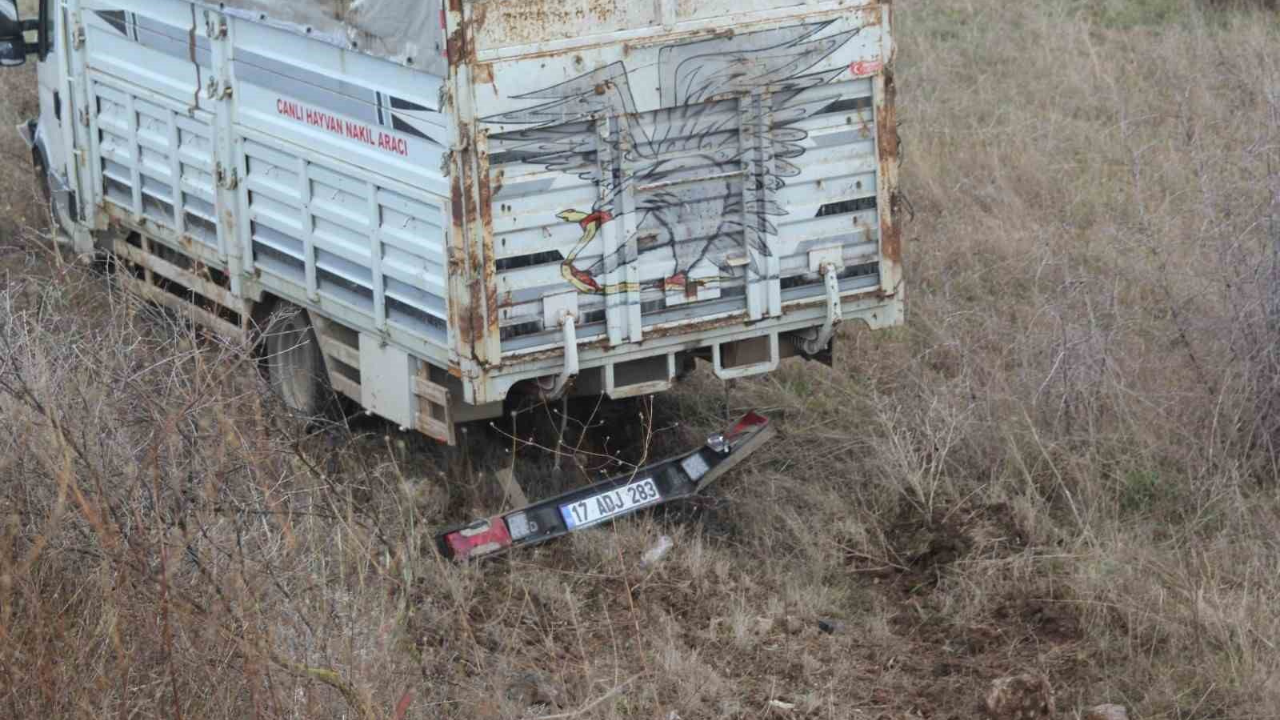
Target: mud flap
x,y
603,502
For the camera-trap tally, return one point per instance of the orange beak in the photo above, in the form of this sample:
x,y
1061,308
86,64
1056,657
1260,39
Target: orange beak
x,y
598,218
585,279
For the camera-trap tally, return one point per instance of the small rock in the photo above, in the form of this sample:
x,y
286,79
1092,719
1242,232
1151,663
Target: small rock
x,y
977,639
655,554
780,705
828,626
1021,697
1107,712
793,625
530,689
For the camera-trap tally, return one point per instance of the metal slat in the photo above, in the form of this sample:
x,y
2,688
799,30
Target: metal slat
x,y
375,264
308,230
175,171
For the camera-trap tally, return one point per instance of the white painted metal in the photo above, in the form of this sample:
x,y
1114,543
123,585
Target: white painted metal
x,y
407,32
769,364
821,337
386,381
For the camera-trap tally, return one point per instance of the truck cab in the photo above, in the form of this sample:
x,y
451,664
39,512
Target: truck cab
x,y
37,38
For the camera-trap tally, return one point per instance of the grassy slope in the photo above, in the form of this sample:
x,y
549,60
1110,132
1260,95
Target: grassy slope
x,y
1063,463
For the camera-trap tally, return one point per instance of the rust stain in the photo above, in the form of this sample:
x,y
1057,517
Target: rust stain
x,y
526,22
485,189
696,328
476,288
459,312
483,74
455,48
498,180
460,45
558,353
693,330
473,246
887,122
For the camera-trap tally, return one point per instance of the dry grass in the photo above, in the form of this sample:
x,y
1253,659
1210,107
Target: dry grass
x,y
1065,462
18,103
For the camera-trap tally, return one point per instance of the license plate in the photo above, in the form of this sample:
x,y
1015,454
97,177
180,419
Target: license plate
x,y
598,508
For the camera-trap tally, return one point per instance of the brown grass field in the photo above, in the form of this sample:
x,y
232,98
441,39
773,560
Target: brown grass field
x,y
1066,463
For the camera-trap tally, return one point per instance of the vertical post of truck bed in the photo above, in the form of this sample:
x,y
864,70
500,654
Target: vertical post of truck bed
x,y
91,185
627,205
222,46
471,263
885,94
375,262
614,303
485,285
764,290
308,232
458,98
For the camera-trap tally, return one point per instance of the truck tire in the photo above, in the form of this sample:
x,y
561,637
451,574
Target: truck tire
x,y
295,365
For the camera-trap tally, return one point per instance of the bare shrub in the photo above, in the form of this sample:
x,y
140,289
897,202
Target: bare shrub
x,y
165,530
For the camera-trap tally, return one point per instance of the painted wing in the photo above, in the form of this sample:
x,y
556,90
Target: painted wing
x,y
692,137
698,137
779,58
560,133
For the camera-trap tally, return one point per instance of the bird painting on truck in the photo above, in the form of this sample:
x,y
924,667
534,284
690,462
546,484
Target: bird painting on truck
x,y
692,187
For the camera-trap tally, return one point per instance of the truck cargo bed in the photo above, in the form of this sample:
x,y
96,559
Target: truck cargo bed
x,y
530,196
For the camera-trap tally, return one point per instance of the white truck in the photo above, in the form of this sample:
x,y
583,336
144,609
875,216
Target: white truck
x,y
437,204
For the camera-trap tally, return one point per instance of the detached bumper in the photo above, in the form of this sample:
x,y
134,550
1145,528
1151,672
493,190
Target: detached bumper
x,y
674,479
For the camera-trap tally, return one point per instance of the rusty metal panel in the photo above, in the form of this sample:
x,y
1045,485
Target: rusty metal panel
x,y
683,166
509,23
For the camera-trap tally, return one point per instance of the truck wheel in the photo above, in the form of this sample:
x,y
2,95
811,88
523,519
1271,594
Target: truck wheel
x,y
295,365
